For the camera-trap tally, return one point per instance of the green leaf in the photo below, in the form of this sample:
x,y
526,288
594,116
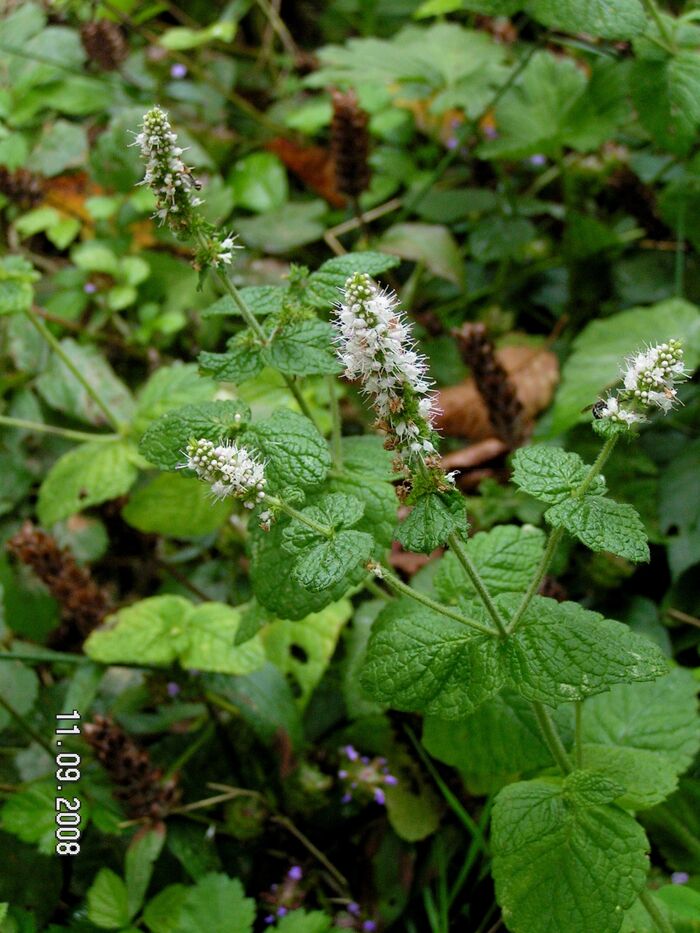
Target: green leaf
x,y
178,506
162,629
16,277
609,19
293,450
61,389
61,145
87,475
430,523
179,38
303,349
299,921
323,287
141,856
169,387
259,182
431,244
500,739
30,814
420,660
107,901
285,229
217,905
242,360
658,720
599,350
551,474
332,511
19,685
302,649
682,900
260,299
162,913
646,779
331,562
560,863
665,94
506,558
165,440
602,525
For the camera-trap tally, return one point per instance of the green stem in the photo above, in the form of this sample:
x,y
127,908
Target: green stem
x,y
44,657
679,275
53,429
70,365
336,435
465,560
400,587
377,591
652,909
254,325
557,534
24,725
204,736
304,519
578,733
653,11
552,737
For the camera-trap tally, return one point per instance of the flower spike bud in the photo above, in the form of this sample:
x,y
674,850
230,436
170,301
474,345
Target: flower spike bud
x,y
375,346
229,469
649,380
166,174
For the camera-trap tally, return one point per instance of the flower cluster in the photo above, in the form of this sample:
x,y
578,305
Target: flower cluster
x,y
365,777
229,469
649,381
375,346
166,174
286,896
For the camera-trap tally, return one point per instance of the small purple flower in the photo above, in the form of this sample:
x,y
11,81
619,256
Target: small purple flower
x,y
295,873
351,753
391,780
281,911
173,689
353,908
369,926
269,919
364,760
346,798
538,160
178,70
89,288
490,132
379,797
680,877
342,773
452,142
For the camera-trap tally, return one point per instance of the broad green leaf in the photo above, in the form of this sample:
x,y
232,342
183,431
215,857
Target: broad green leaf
x,y
293,450
431,244
259,182
609,19
30,814
178,506
420,660
665,93
659,720
107,901
551,474
162,629
19,685
166,439
430,523
260,299
303,649
243,360
285,229
61,145
501,738
141,856
61,390
16,277
331,562
87,475
497,237
506,558
646,778
299,921
169,387
179,38
162,913
681,899
303,349
562,864
217,904
324,285
599,351
366,454
379,500
602,525
334,511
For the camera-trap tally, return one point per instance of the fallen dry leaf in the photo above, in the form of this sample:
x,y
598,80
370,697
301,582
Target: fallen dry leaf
x,y
311,164
534,373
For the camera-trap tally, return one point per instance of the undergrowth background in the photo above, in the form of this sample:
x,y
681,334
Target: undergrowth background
x,y
534,174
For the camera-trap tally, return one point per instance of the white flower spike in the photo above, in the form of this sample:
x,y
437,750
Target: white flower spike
x,y
375,346
229,469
